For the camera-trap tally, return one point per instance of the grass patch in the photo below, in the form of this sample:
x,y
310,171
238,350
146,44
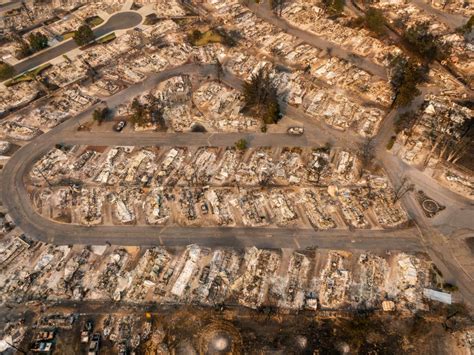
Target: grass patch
x,y
450,287
18,79
94,21
27,76
208,37
68,35
106,38
391,142
39,69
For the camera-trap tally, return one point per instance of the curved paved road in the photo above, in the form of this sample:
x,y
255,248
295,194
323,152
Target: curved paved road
x,y
458,214
18,203
119,21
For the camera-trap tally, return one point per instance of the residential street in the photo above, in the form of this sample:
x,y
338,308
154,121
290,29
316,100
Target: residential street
x,y
453,21
318,42
427,236
118,21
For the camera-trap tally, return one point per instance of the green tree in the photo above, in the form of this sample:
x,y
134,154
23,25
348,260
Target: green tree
x,y
260,96
83,35
38,41
405,76
420,40
405,121
241,144
194,36
333,7
6,71
100,114
407,92
272,114
375,21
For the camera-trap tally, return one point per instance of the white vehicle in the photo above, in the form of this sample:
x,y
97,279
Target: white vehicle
x,y
296,131
120,126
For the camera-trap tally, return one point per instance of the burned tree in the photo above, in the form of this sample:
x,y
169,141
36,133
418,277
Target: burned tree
x,y
319,167
455,147
277,6
100,114
449,130
150,113
405,121
140,116
404,187
219,69
156,111
366,155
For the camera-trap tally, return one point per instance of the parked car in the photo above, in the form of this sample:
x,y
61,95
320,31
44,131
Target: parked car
x,y
120,125
296,131
94,344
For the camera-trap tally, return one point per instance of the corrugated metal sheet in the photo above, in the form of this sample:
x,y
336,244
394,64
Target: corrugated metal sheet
x,y
437,296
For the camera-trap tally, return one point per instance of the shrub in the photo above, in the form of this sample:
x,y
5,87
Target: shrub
x,y
38,41
375,21
241,144
6,71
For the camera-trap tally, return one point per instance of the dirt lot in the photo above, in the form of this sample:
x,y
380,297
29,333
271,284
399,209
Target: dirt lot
x,y
193,330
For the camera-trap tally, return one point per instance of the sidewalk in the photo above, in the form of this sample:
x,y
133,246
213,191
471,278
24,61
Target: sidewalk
x,y
115,23
127,5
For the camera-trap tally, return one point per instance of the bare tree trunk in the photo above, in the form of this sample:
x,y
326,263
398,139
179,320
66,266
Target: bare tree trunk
x,y
433,148
443,149
456,154
455,160
402,189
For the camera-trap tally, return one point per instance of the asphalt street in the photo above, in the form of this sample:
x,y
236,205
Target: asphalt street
x,y
10,5
119,21
19,205
458,214
453,21
266,14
